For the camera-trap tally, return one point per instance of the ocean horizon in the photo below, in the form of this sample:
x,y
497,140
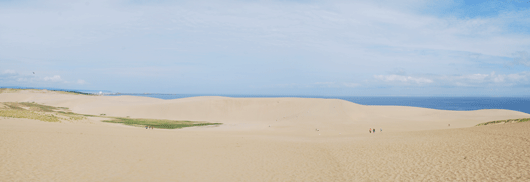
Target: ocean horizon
x,y
454,103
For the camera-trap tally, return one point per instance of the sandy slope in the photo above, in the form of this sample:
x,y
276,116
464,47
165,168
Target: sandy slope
x,y
39,151
416,143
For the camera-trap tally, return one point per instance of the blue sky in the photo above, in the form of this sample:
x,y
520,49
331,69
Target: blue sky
x,y
328,48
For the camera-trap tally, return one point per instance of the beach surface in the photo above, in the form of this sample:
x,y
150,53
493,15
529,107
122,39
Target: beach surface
x,y
261,139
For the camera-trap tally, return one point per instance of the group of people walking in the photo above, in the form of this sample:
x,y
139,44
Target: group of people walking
x,y
373,130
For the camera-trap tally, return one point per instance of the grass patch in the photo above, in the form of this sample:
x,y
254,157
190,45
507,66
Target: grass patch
x,y
57,114
158,123
34,90
505,121
18,113
36,107
36,111
9,90
71,92
71,115
13,106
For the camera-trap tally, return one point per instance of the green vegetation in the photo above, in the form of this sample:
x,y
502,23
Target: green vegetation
x,y
36,111
72,116
15,90
72,92
22,113
159,123
8,90
57,114
505,121
35,107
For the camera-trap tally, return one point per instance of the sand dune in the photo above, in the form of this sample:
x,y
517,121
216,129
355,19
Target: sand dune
x,y
289,114
416,143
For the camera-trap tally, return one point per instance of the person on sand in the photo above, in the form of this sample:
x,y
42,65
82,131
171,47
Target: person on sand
x,y
380,130
146,127
370,130
374,130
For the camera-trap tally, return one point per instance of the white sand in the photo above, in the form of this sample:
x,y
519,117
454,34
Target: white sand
x,y
416,143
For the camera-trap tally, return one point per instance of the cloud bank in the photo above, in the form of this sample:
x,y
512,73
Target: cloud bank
x,y
470,80
241,47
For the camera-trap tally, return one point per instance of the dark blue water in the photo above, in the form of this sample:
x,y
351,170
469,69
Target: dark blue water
x,y
445,103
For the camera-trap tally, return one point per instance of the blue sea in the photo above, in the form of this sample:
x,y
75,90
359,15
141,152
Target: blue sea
x,y
445,103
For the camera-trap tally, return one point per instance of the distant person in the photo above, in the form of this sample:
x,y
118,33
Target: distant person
x,y
380,130
146,127
374,130
370,130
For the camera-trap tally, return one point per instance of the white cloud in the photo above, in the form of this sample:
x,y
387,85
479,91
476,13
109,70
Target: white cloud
x,y
313,40
336,84
9,72
491,79
324,83
351,85
474,80
404,79
53,78
330,25
12,77
8,76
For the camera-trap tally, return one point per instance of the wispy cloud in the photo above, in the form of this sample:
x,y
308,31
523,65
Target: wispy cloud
x,y
54,78
335,84
9,72
328,25
404,79
468,80
199,46
10,76
15,78
492,79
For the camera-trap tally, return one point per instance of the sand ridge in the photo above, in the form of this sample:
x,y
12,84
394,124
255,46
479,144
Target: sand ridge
x,y
289,114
